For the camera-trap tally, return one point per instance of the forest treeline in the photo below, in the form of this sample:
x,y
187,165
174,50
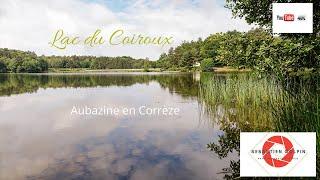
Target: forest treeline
x,y
20,61
256,49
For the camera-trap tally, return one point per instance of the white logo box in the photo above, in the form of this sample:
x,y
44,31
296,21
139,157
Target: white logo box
x,y
302,21
299,161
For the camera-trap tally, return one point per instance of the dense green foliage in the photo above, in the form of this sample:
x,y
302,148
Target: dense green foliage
x,y
256,49
185,55
93,62
207,64
260,12
3,67
19,62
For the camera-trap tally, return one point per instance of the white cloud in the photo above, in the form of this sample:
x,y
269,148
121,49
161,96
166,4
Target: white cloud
x,y
29,25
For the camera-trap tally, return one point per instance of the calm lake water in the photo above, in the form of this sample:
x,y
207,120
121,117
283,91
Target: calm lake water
x,y
41,139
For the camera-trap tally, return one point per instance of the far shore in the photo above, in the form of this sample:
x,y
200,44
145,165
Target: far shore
x,y
87,70
149,70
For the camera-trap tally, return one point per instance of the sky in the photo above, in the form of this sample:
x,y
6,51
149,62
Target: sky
x,y
30,25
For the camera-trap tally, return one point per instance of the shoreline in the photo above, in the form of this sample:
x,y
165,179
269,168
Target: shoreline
x,y
149,70
216,70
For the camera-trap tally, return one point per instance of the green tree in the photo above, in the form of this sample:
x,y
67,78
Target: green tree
x,y
207,64
3,67
260,12
300,50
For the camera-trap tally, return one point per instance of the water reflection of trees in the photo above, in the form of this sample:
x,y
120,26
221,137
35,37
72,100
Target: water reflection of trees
x,y
234,102
183,84
247,103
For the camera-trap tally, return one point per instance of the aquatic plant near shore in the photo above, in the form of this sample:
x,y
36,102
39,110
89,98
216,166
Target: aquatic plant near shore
x,y
244,102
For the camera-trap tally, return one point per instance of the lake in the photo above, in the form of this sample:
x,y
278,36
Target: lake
x,y
41,138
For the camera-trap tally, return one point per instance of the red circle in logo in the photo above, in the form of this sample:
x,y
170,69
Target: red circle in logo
x,y
276,162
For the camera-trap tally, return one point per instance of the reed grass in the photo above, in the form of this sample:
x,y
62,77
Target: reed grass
x,y
245,102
